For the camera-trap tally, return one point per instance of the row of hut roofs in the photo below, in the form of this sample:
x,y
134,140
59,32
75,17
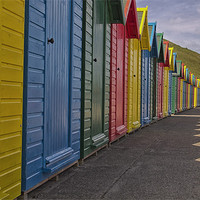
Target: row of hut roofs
x,y
93,71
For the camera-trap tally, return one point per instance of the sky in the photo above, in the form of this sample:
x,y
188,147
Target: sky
x,y
178,19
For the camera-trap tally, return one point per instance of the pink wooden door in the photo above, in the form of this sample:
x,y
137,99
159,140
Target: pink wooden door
x,y
120,78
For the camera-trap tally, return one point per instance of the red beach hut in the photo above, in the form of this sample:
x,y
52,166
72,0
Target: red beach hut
x,y
119,70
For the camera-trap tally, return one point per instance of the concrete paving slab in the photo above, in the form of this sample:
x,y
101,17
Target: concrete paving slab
x,y
157,162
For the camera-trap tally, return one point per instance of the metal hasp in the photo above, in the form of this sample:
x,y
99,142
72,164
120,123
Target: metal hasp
x,y
52,89
160,79
174,86
11,96
95,76
118,10
153,70
119,73
166,79
145,65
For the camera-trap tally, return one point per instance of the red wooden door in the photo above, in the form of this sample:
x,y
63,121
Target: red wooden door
x,y
120,77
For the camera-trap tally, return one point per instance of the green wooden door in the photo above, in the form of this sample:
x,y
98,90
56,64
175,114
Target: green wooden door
x,y
98,73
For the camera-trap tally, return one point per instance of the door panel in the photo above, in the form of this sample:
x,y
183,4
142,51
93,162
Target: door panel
x,y
57,81
146,88
98,68
120,75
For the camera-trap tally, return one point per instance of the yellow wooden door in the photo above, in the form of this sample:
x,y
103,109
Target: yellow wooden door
x,y
195,97
188,106
11,96
134,79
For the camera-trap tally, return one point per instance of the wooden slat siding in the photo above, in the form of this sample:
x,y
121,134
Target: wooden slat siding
x,y
11,96
159,89
142,86
151,88
88,72
76,74
139,81
113,82
107,79
126,82
34,93
33,129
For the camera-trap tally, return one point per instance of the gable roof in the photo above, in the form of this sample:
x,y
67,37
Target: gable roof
x,y
190,78
174,60
185,73
171,61
118,10
153,39
166,55
160,47
182,71
132,25
143,28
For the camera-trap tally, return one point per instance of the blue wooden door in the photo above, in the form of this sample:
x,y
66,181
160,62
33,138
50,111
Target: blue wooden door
x,y
145,87
57,83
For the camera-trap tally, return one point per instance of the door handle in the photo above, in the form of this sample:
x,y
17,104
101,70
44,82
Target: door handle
x,y
50,40
95,60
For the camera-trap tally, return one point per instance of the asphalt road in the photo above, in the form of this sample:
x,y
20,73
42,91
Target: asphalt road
x,y
157,162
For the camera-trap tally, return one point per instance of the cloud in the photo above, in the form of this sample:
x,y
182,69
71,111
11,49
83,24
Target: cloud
x,y
180,20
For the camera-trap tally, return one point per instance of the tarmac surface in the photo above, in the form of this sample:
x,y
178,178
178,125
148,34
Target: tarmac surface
x,y
157,162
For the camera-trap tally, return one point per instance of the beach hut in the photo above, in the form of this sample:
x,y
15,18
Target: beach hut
x,y
160,61
174,86
120,36
166,79
171,69
178,75
145,65
185,89
188,89
153,70
97,19
182,88
11,96
52,89
134,71
191,90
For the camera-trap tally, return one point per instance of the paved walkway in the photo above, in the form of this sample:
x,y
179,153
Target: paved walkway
x,y
157,162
